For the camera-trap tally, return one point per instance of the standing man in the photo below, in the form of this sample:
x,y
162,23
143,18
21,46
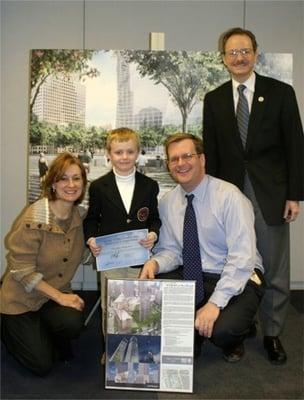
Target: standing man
x,y
253,138
43,168
142,162
208,228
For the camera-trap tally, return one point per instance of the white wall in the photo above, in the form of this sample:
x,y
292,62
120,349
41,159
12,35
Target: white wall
x,y
190,25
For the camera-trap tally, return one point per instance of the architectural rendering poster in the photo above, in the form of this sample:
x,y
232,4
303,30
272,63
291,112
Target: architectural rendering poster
x,y
149,335
77,96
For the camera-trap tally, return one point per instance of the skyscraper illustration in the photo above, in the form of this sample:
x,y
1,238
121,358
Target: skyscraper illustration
x,y
124,109
132,351
126,351
61,101
129,288
119,353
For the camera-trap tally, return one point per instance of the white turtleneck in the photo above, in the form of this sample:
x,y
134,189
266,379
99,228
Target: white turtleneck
x,y
126,186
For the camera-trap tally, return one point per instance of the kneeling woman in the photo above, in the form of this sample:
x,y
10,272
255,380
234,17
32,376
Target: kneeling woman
x,y
39,312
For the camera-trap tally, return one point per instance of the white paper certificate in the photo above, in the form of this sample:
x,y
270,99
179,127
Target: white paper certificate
x,y
120,250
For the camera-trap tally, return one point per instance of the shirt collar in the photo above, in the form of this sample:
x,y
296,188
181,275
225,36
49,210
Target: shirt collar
x,y
200,190
125,178
249,83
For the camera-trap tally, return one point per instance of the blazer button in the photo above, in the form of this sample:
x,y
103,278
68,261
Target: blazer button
x,y
60,275
65,259
128,221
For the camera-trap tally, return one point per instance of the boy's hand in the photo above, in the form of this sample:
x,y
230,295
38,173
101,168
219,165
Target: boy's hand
x,y
148,243
95,249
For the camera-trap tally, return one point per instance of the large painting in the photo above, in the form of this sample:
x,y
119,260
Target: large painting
x,y
78,96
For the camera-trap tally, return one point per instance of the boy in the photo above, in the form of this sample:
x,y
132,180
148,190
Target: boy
x,y
121,200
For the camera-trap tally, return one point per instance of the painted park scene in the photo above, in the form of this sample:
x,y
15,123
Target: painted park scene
x,y
77,96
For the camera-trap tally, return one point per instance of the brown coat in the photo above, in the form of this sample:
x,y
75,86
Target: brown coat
x,y
40,249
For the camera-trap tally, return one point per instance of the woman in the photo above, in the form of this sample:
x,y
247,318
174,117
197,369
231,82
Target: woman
x,y
40,314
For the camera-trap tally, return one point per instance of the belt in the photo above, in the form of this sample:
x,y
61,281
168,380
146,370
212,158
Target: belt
x,y
254,276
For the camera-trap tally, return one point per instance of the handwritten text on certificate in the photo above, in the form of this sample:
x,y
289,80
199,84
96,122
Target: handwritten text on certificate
x,y
122,249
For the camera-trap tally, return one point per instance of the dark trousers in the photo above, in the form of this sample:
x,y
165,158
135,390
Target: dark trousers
x,y
37,338
234,321
273,245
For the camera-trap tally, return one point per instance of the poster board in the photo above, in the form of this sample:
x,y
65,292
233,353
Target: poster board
x,y
77,96
150,335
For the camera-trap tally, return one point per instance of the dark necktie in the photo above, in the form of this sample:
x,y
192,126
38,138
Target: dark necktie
x,y
192,265
242,114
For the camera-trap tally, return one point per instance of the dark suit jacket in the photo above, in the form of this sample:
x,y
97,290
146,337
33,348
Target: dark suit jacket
x,y
274,154
107,214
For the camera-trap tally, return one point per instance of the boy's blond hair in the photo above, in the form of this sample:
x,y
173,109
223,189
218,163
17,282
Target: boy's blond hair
x,y
122,135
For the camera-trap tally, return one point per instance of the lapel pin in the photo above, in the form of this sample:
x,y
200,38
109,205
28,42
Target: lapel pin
x,y
261,99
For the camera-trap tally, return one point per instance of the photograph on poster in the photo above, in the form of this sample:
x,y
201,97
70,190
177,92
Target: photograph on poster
x,y
77,96
134,307
150,335
133,333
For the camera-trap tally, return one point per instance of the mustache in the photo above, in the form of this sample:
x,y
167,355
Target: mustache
x,y
242,63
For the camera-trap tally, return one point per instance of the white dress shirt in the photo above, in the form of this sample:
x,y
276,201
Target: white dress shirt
x,y
225,223
248,92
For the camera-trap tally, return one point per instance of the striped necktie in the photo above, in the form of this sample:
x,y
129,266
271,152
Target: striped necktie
x,y
242,114
192,264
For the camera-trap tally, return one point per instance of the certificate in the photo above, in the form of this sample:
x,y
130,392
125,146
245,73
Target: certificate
x,y
121,250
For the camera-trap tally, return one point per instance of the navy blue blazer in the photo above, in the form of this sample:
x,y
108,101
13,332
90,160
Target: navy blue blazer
x,y
274,153
107,214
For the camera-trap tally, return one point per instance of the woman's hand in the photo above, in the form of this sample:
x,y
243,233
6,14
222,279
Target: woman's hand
x,y
71,300
64,299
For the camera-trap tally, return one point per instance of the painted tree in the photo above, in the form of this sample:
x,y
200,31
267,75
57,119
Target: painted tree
x,y
43,133
150,136
58,63
275,65
182,73
95,138
214,72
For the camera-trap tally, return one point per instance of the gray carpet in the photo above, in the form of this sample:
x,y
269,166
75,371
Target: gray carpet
x,y
252,378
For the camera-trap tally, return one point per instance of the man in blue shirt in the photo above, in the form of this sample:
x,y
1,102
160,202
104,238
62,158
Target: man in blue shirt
x,y
231,266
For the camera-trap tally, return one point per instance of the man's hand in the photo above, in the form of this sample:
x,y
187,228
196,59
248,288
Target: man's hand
x,y
292,210
205,319
150,269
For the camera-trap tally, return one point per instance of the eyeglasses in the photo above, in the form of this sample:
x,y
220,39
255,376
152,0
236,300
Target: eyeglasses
x,y
235,52
184,157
